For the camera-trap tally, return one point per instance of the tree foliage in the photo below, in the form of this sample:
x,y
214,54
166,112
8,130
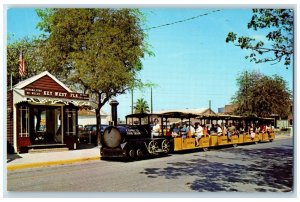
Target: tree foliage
x,y
280,22
31,54
260,95
100,49
141,106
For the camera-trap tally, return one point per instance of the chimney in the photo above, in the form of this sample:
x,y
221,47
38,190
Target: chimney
x,y
114,113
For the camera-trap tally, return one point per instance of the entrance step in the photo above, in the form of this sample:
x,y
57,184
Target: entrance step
x,y
45,150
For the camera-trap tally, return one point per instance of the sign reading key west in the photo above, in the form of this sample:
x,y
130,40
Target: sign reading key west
x,y
57,94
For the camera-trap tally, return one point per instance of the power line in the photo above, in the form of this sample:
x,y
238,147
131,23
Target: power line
x,y
180,21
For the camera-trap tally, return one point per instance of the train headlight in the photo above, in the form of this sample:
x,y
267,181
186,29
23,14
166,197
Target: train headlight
x,y
112,137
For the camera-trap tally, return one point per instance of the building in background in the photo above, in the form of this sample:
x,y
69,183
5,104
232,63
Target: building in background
x,y
88,117
221,110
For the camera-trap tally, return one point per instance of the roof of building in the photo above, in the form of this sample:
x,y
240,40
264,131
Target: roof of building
x,y
32,79
87,112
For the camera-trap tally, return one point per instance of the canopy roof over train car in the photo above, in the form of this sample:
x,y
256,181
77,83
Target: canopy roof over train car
x,y
196,111
236,118
140,115
181,115
44,88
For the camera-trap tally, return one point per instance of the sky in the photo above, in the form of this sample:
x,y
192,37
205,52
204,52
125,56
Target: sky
x,y
192,64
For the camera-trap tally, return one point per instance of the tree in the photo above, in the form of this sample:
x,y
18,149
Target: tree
x,y
260,95
31,54
281,25
141,106
100,49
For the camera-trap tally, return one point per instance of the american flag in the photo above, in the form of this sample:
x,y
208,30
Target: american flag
x,y
22,70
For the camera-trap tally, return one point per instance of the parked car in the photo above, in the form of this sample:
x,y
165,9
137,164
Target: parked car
x,y
90,130
80,127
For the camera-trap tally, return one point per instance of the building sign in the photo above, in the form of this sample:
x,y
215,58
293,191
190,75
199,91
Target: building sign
x,y
56,94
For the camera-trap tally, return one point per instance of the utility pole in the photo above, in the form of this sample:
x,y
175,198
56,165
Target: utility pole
x,y
132,105
151,103
132,101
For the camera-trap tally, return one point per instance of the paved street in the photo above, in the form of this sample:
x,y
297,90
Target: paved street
x,y
266,167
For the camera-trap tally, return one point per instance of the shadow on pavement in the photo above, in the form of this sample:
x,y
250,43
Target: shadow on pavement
x,y
12,157
265,170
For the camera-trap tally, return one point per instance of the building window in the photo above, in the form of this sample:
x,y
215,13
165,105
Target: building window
x,y
24,121
71,122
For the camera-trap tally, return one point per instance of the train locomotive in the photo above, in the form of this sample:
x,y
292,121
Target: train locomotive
x,y
133,140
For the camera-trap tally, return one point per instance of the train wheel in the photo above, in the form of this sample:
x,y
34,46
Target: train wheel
x,y
165,146
271,140
131,153
234,145
139,152
205,149
256,142
152,147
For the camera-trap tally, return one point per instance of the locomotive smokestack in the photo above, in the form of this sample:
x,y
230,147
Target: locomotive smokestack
x,y
114,113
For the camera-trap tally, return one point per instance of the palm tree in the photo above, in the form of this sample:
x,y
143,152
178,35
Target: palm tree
x,y
141,106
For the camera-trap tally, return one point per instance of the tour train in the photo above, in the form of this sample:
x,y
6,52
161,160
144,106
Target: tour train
x,y
136,139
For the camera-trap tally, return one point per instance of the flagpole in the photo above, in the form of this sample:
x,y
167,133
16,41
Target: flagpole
x,y
22,70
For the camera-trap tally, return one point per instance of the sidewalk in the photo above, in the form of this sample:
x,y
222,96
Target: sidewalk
x,y
29,160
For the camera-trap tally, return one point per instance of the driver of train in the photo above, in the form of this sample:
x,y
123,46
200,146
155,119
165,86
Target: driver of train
x,y
156,128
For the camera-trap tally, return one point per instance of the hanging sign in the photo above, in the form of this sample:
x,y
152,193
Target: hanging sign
x,y
56,94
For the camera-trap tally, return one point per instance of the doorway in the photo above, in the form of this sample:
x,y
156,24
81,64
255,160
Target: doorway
x,y
46,125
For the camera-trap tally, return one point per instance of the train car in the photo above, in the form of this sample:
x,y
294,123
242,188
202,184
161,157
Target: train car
x,y
267,132
212,138
135,139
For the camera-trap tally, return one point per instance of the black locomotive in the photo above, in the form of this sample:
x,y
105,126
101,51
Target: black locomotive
x,y
134,140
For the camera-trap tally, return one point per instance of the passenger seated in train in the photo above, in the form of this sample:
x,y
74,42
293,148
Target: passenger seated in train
x,y
251,131
198,132
231,131
213,130
219,130
156,129
183,131
241,129
257,129
269,129
205,130
263,128
175,130
224,129
190,131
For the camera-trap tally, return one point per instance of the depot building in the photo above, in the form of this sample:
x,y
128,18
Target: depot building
x,y
42,112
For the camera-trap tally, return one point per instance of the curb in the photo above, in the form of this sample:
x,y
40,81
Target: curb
x,y
50,163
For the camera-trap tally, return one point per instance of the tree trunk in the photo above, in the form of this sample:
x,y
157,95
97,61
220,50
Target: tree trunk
x,y
98,123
